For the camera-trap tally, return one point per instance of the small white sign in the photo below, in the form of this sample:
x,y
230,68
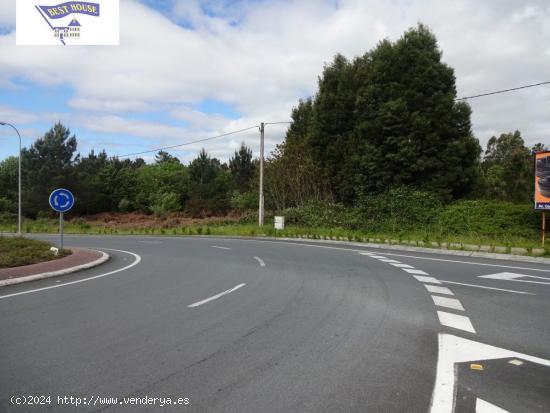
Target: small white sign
x,y
67,23
279,222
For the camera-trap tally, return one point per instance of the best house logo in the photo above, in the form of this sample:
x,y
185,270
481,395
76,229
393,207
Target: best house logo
x,y
39,22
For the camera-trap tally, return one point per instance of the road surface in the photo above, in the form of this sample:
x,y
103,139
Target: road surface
x,y
236,325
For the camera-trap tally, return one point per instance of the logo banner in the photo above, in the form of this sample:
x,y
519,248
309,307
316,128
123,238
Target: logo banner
x,y
64,9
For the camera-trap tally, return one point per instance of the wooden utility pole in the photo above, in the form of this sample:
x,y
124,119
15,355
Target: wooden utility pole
x,y
261,201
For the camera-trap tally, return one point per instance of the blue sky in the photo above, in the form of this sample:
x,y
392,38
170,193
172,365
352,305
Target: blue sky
x,y
188,69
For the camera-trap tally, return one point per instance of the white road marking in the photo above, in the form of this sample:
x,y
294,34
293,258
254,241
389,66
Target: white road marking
x,y
215,297
413,271
378,256
447,302
149,242
511,276
485,407
455,261
221,248
424,279
438,290
136,262
487,288
459,322
391,261
402,265
369,253
453,349
262,263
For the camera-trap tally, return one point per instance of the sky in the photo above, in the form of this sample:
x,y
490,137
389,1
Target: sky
x,y
186,70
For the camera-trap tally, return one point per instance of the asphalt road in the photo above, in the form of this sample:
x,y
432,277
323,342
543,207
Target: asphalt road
x,y
234,325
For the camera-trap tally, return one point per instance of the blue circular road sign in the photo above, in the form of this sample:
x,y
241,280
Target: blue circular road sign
x,y
61,200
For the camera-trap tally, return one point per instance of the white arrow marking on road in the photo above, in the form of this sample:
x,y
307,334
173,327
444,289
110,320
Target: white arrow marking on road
x,y
512,276
485,407
262,263
453,349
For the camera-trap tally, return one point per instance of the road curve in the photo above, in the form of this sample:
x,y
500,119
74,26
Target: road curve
x,y
246,326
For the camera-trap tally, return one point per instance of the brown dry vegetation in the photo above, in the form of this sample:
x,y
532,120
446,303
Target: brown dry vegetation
x,y
136,220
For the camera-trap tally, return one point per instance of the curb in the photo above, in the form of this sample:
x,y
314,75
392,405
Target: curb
x,y
11,281
474,254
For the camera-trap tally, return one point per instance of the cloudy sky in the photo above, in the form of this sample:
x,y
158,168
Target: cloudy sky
x,y
189,69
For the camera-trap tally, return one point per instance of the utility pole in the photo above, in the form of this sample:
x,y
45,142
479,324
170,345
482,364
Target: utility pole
x,y
19,173
261,206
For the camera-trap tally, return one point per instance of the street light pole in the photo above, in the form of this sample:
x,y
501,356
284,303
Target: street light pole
x,y
261,202
19,190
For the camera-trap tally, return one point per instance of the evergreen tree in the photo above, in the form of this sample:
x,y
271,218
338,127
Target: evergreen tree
x,y
242,168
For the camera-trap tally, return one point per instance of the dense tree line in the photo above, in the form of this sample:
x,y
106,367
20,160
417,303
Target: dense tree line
x,y
387,119
390,119
102,183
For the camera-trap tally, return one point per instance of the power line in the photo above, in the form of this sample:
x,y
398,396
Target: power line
x,y
503,91
187,143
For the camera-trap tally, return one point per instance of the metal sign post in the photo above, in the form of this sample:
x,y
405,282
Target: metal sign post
x,y
61,200
543,228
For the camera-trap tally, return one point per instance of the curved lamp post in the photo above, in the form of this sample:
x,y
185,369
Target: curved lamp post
x,y
19,207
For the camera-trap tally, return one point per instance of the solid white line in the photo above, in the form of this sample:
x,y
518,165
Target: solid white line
x,y
262,263
214,297
459,322
413,271
438,290
447,302
402,265
221,248
423,279
487,288
136,262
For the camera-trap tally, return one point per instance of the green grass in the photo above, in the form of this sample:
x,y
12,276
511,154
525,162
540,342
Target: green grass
x,y
17,251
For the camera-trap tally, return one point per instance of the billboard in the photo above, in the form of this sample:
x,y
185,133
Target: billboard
x,y
542,180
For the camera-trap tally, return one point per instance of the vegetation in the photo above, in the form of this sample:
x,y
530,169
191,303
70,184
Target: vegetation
x,y
382,149
16,251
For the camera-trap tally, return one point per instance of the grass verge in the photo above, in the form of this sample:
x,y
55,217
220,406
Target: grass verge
x,y
17,251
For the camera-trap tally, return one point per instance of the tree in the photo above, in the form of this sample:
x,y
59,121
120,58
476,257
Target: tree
x,y
47,165
8,185
508,168
242,168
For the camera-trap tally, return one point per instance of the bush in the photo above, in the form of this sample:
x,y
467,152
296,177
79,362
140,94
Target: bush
x,y
18,251
166,202
488,218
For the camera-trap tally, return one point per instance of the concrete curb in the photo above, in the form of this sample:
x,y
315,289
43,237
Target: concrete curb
x,y
475,254
11,281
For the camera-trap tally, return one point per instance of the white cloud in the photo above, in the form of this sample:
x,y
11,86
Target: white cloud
x,y
272,57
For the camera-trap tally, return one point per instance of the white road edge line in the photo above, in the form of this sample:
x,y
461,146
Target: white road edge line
x,y
487,288
215,297
452,303
262,263
459,322
424,279
136,262
438,290
221,248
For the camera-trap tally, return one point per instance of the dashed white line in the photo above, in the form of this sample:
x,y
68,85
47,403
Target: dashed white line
x,y
424,279
459,322
221,248
452,303
413,271
438,290
215,297
402,265
485,407
262,263
487,288
391,261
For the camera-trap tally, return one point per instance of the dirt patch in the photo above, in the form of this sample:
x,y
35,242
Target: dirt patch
x,y
137,220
